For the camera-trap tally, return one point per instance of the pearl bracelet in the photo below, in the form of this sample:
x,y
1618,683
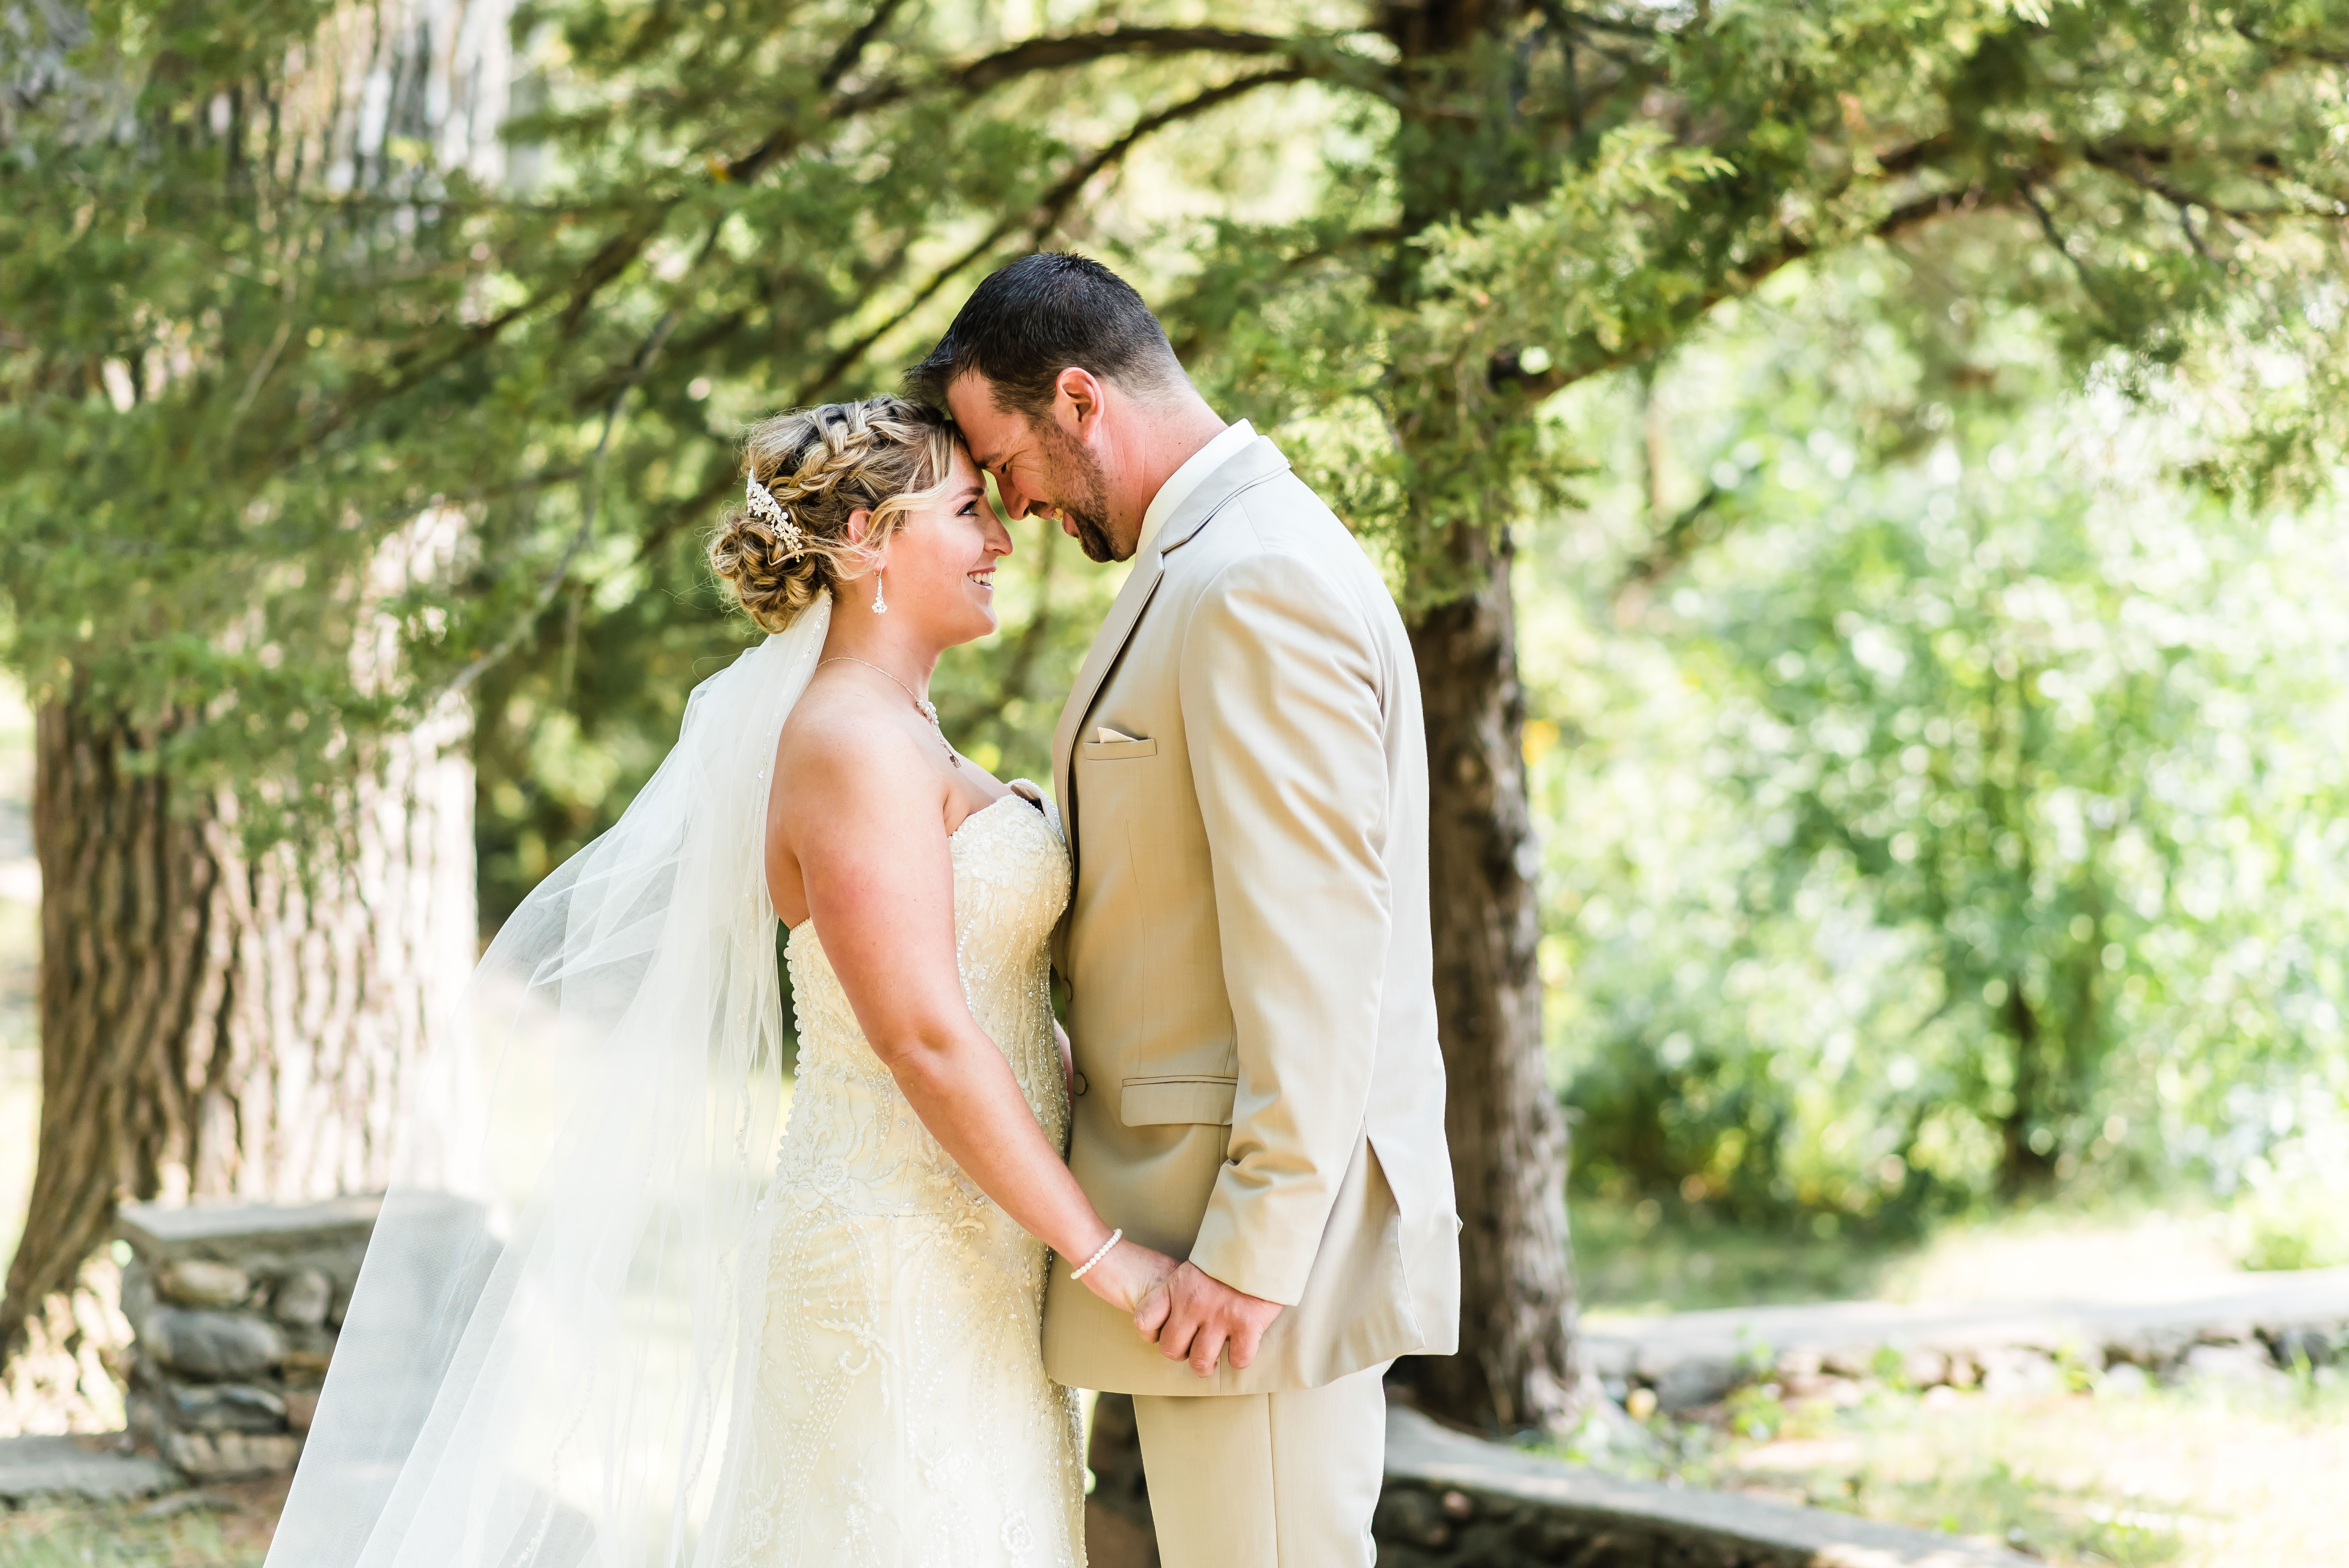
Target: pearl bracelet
x,y
1114,1237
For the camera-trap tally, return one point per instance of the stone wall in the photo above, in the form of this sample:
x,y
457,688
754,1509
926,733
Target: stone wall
x,y
2251,1325
233,1308
1452,1500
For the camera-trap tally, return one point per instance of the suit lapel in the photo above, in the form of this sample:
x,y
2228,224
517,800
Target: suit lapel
x,y
1124,614
1259,461
1252,464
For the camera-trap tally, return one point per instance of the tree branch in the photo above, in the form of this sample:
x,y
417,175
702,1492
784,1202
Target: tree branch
x,y
1669,546
1053,54
852,48
2134,164
1061,52
1504,373
2317,53
2046,221
1042,218
1195,338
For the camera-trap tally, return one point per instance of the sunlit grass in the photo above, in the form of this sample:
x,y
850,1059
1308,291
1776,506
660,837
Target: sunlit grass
x,y
223,1526
2197,1476
1644,1258
72,1538
2215,1473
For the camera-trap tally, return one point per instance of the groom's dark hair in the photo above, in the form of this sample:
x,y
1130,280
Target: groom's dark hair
x,y
1035,317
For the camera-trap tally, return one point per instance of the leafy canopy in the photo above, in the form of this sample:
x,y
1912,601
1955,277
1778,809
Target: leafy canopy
x,y
250,338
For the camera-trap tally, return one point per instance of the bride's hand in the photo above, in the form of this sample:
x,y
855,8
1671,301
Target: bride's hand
x,y
1128,1276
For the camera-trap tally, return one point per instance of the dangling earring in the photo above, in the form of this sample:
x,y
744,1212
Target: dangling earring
x,y
880,605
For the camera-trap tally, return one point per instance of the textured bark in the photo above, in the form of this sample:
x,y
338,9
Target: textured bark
x,y
126,891
216,1025
2023,1169
1514,1368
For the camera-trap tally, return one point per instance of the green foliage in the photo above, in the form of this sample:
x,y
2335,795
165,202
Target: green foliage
x,y
2291,1220
245,351
2001,780
232,373
2145,174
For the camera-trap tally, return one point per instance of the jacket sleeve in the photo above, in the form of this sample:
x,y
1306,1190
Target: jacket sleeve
x,y
1285,721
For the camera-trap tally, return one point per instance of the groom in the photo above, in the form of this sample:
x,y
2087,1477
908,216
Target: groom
x,y
1243,775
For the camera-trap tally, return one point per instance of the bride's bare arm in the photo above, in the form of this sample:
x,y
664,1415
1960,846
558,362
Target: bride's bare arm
x,y
862,815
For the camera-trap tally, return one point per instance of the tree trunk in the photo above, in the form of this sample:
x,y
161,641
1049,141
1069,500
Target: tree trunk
x,y
2023,1169
214,1025
1515,1367
126,889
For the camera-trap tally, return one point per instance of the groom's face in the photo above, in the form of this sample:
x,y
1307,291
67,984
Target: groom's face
x,y
1038,465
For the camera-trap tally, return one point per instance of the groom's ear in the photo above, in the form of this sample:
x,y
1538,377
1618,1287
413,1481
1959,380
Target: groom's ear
x,y
1078,400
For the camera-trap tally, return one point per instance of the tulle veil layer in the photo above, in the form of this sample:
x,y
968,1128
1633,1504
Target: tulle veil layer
x,y
538,1364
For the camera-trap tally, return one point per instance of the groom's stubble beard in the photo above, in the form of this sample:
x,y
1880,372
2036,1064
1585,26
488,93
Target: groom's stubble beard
x,y
1082,500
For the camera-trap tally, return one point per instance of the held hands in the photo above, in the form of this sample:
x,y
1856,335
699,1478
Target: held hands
x,y
1193,1316
1127,1275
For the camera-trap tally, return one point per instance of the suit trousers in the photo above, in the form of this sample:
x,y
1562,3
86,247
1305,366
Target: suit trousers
x,y
1265,1481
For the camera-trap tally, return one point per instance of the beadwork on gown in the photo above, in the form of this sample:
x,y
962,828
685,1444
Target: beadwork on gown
x,y
898,1414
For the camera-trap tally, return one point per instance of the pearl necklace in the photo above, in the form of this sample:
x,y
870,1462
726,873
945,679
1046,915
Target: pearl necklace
x,y
922,705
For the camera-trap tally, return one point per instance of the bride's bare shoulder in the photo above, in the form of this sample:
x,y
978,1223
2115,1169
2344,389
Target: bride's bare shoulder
x,y
844,754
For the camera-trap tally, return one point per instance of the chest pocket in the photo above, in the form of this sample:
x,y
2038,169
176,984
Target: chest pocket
x,y
1119,751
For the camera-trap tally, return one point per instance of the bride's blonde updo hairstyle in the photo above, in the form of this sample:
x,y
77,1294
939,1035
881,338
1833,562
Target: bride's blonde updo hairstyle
x,y
819,465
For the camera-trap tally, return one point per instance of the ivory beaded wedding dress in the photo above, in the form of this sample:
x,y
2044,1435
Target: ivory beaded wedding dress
x,y
897,1414
601,1325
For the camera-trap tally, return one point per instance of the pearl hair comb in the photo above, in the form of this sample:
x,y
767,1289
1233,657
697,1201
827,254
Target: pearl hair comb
x,y
764,507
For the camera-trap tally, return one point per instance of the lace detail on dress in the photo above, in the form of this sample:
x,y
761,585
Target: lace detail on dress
x,y
900,1414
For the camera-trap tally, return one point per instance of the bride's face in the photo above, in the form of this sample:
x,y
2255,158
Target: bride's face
x,y
940,562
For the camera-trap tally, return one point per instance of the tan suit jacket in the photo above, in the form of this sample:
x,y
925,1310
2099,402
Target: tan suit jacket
x,y
1251,994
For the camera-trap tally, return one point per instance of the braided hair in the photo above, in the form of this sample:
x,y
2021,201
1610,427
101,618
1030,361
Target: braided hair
x,y
819,465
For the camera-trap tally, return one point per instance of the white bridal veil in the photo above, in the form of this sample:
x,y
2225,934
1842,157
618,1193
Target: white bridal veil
x,y
538,1364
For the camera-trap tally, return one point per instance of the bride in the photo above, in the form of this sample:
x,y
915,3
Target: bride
x,y
605,1335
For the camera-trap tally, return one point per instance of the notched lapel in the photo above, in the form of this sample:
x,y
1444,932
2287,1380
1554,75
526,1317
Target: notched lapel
x,y
1259,461
1124,614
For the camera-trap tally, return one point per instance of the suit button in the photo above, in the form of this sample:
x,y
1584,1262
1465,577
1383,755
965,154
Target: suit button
x,y
1080,1085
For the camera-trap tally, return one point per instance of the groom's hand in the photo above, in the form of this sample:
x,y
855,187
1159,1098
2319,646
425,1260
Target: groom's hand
x,y
1196,1318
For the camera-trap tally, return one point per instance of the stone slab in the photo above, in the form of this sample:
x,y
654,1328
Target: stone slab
x,y
1652,1348
1726,1526
51,1467
228,1232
